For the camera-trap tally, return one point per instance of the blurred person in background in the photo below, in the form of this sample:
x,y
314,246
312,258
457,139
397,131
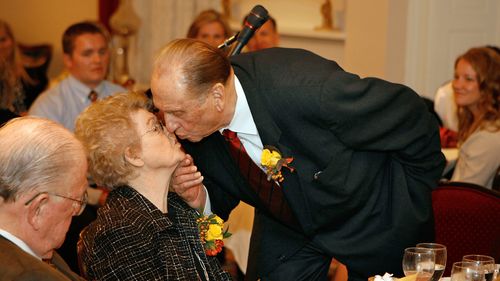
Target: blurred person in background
x,y
20,82
86,57
476,87
266,36
210,27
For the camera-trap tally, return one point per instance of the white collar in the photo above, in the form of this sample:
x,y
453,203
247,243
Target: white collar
x,y
242,121
20,243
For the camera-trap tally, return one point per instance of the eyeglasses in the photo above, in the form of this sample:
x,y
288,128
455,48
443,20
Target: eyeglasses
x,y
78,205
158,128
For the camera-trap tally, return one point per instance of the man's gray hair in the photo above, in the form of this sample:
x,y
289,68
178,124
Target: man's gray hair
x,y
34,154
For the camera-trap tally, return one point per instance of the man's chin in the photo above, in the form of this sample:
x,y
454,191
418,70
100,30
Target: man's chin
x,y
194,139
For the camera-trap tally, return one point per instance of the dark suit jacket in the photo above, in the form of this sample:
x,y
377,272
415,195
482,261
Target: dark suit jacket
x,y
132,240
366,157
16,264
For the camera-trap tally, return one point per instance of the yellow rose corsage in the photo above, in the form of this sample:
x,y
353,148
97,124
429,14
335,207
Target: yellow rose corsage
x,y
212,232
272,161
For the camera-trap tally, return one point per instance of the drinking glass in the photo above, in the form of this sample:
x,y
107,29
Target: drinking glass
x,y
466,271
487,263
439,258
419,261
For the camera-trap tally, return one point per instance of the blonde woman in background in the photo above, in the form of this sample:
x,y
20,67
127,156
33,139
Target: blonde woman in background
x,y
18,89
476,86
210,27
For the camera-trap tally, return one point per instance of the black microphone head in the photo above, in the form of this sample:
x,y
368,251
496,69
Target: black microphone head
x,y
257,17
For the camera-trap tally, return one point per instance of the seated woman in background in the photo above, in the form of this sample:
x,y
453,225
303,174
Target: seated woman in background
x,y
19,85
142,232
210,27
476,86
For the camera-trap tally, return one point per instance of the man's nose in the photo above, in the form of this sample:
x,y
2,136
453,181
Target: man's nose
x,y
170,124
96,57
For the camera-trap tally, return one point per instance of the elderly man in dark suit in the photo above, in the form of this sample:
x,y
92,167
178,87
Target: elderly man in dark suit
x,y
363,156
42,186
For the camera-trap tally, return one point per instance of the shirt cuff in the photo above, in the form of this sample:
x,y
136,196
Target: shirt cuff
x,y
208,207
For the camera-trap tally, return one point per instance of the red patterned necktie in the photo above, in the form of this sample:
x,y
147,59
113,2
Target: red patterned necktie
x,y
270,193
93,96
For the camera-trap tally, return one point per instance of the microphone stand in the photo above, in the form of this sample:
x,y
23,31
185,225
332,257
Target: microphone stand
x,y
228,41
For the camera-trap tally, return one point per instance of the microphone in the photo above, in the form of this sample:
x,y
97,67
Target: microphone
x,y
257,17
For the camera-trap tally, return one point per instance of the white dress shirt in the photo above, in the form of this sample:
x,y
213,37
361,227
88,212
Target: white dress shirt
x,y
244,125
66,100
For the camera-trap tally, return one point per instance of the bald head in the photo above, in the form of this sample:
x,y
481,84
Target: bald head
x,y
191,65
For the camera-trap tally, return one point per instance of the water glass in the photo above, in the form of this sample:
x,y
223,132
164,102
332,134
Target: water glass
x,y
466,271
419,261
487,263
439,258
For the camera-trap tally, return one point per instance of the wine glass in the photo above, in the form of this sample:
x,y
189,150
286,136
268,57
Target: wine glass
x,y
419,261
487,263
439,259
466,271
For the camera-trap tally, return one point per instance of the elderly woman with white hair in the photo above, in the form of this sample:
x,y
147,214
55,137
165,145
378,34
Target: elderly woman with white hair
x,y
143,232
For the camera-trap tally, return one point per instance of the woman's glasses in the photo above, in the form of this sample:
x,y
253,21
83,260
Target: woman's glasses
x,y
158,128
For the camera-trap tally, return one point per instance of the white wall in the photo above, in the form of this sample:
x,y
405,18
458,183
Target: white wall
x,y
36,22
442,30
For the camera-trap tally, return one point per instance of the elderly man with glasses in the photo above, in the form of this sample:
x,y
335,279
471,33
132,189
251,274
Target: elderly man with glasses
x,y
42,186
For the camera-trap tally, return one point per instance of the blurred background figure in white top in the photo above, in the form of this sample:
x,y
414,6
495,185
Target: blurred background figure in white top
x,y
445,107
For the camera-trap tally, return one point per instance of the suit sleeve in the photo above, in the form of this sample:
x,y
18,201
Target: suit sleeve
x,y
375,115
222,203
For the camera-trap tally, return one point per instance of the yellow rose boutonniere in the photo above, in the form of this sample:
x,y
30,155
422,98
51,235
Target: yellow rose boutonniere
x,y
212,232
272,161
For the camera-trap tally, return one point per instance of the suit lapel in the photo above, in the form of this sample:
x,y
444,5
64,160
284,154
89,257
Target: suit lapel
x,y
269,132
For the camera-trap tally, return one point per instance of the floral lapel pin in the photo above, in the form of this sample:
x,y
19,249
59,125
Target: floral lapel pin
x,y
272,161
212,232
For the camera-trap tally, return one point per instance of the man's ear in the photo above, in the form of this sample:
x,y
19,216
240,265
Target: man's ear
x,y
68,61
37,211
218,92
133,157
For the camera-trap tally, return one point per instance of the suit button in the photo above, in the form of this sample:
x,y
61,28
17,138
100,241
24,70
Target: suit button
x,y
282,257
316,175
